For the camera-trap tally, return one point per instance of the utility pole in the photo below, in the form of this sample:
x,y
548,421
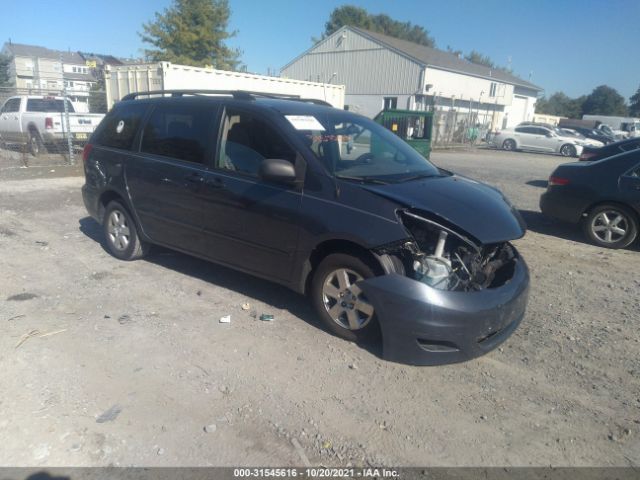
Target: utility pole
x,y
67,123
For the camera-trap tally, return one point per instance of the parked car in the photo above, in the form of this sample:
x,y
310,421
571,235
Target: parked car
x,y
604,196
570,132
538,138
594,134
593,153
590,128
323,201
39,122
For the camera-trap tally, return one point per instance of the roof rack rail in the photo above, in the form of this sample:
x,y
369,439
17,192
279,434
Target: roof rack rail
x,y
237,94
180,93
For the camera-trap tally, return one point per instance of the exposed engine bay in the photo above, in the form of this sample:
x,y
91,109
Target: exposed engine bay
x,y
448,260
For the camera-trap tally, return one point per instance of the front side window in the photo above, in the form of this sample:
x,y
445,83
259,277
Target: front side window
x,y
119,127
178,131
12,105
355,148
247,140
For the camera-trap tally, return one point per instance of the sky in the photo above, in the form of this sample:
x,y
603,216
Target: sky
x,y
561,45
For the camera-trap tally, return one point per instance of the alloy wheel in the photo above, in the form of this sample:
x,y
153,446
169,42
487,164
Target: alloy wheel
x,y
610,226
344,301
118,230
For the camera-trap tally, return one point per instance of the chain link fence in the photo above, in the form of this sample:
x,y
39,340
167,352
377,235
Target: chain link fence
x,y
454,127
47,126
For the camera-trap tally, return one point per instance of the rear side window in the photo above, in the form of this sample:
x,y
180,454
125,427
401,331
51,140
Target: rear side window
x,y
119,127
178,131
12,105
50,105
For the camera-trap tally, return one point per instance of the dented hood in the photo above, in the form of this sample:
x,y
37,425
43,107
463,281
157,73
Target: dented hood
x,y
473,207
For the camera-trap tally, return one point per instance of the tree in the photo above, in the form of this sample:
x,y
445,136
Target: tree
x,y
604,100
634,104
192,32
359,17
561,105
5,77
477,57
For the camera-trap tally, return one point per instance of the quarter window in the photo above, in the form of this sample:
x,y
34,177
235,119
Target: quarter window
x,y
119,127
178,131
248,140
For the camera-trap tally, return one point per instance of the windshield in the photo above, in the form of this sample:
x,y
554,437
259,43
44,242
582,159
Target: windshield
x,y
354,148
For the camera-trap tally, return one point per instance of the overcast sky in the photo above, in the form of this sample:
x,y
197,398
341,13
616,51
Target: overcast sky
x,y
571,46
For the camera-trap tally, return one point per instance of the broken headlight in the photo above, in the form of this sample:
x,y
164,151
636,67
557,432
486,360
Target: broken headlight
x,y
447,260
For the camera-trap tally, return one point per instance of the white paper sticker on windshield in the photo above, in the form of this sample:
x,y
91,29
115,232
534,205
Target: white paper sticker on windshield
x,y
305,122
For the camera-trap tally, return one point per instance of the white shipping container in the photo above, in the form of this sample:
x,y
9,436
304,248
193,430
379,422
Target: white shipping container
x,y
125,79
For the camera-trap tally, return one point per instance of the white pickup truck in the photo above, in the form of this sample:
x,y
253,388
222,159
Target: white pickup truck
x,y
39,122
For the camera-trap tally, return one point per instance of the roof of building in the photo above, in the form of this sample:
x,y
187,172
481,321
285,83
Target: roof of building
x,y
445,60
22,50
433,57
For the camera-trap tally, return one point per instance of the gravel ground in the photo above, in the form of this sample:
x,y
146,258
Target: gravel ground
x,y
105,362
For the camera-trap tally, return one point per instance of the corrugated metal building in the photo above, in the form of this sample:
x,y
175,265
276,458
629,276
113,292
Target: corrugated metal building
x,y
384,72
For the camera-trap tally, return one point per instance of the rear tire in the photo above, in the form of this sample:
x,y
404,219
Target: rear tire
x,y
36,146
611,226
337,299
509,145
121,233
568,150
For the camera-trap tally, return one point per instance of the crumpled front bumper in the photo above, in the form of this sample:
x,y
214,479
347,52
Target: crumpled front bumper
x,y
425,326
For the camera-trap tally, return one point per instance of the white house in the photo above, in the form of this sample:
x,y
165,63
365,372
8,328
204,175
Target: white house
x,y
40,70
381,72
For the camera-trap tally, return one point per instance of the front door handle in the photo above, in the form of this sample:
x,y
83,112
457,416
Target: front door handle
x,y
215,183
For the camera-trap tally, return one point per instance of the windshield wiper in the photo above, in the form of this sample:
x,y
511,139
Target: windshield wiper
x,y
420,176
374,180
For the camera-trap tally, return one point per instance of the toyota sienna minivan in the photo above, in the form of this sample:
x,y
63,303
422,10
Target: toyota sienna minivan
x,y
321,200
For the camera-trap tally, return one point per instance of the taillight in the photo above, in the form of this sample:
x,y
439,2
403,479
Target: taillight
x,y
558,181
86,151
48,123
587,156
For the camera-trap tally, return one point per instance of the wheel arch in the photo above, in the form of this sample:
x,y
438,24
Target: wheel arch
x,y
108,196
336,245
610,202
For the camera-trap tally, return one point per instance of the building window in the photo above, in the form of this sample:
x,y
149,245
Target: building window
x,y
390,103
493,89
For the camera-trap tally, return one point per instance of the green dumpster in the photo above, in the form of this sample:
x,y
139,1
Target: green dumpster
x,y
414,127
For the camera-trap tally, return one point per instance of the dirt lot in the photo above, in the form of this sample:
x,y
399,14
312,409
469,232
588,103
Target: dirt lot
x,y
105,362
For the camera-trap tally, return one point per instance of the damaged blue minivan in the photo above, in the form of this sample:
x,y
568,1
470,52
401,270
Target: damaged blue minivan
x,y
324,201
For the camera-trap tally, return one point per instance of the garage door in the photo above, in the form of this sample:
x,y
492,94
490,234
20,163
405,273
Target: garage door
x,y
517,111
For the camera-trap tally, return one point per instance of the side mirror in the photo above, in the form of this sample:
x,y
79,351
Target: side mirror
x,y
278,171
549,134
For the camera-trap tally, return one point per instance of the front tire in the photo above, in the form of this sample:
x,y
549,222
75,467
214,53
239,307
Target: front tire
x,y
611,226
121,233
509,145
568,151
339,302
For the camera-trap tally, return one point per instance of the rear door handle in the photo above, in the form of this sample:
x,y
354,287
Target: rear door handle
x,y
194,178
193,181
